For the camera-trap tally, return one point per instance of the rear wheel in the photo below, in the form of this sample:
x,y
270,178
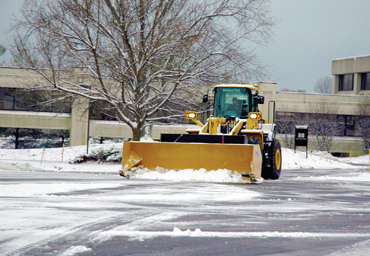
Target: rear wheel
x,y
271,169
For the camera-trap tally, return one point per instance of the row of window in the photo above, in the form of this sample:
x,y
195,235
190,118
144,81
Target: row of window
x,y
342,125
43,101
46,101
346,82
365,81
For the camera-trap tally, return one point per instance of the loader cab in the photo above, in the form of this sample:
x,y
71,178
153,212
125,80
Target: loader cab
x,y
236,100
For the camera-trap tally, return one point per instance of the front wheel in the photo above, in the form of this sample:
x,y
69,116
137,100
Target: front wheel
x,y
272,169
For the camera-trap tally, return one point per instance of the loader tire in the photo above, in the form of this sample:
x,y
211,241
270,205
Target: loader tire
x,y
273,170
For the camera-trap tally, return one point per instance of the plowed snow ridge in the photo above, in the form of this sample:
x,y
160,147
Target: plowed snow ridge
x,y
57,160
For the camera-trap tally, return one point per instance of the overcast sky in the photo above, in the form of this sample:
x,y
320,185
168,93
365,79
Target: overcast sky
x,y
310,34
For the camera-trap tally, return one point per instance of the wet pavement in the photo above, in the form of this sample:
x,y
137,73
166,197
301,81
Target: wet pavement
x,y
305,212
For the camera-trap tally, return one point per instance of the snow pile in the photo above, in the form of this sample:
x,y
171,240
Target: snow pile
x,y
142,235
363,160
51,154
75,250
57,160
315,160
290,160
190,175
177,232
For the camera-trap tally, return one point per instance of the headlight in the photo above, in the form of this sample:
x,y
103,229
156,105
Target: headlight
x,y
191,115
255,116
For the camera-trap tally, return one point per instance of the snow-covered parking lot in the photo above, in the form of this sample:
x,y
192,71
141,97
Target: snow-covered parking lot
x,y
319,206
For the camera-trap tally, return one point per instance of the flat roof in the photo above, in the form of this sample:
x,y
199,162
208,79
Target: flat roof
x,y
353,57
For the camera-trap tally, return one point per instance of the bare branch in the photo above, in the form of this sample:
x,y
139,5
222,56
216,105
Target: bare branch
x,y
145,59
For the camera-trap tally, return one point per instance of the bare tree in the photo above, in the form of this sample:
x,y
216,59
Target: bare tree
x,y
286,124
2,50
323,85
323,124
140,57
363,112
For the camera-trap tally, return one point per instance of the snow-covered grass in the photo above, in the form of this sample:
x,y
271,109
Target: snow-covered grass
x,y
320,160
58,160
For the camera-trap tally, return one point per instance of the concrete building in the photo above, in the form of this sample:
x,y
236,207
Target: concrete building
x,y
76,120
298,105
350,91
351,85
351,75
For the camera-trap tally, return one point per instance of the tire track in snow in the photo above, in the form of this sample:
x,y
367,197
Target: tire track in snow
x,y
80,233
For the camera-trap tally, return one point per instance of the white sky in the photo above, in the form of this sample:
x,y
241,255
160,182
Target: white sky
x,y
7,9
310,35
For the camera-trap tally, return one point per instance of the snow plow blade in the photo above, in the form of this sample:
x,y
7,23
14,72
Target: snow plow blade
x,y
242,158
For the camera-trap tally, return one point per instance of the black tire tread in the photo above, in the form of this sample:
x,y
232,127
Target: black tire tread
x,y
272,172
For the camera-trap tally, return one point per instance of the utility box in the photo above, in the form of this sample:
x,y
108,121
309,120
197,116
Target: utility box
x,y
301,137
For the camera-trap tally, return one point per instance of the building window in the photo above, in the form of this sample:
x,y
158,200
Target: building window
x,y
365,81
9,100
20,99
346,125
346,82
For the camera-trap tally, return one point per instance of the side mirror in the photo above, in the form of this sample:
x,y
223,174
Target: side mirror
x,y
260,99
205,98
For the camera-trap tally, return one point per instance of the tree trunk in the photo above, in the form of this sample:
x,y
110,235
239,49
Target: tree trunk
x,y
142,131
16,138
136,133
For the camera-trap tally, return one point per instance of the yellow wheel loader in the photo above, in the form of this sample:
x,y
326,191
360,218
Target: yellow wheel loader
x,y
235,137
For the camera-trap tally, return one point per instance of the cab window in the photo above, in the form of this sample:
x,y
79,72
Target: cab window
x,y
232,102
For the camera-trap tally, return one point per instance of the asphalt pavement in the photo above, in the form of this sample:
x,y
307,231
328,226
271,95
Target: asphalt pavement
x,y
305,212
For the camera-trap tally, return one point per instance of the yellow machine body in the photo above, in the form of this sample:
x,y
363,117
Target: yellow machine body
x,y
244,159
234,142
